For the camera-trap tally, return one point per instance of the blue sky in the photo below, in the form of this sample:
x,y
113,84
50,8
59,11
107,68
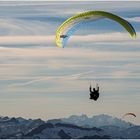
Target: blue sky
x,y
39,80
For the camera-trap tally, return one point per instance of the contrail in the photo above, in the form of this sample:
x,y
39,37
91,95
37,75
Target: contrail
x,y
73,76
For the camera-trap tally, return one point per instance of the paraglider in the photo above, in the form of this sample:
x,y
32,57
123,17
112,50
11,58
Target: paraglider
x,y
68,27
94,94
127,114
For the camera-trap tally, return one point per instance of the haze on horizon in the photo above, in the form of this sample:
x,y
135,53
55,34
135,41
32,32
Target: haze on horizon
x,y
39,80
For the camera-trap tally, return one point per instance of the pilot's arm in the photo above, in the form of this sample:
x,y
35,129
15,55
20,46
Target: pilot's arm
x,y
90,89
97,87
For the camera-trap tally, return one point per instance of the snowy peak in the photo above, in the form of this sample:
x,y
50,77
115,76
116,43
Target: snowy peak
x,y
96,121
74,127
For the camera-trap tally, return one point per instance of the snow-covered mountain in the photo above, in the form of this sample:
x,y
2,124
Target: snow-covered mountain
x,y
96,121
74,127
67,131
16,127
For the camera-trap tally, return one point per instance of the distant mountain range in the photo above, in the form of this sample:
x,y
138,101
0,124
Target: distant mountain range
x,y
73,127
96,121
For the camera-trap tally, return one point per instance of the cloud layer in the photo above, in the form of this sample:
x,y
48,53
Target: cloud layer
x,y
43,80
115,37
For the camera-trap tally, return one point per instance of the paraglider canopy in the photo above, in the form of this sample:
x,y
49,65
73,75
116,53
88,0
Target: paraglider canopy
x,y
68,27
127,114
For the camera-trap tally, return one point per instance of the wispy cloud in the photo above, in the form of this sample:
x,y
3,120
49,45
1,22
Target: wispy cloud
x,y
23,40
115,36
50,39
133,19
45,78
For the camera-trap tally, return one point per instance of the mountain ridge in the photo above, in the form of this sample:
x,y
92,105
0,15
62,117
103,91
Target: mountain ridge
x,y
73,127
